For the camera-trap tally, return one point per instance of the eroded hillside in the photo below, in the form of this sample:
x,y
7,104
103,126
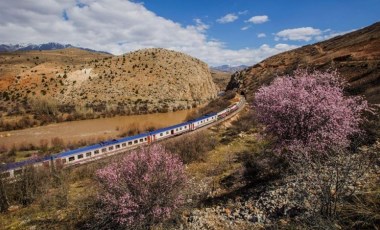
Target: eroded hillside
x,y
148,80
355,55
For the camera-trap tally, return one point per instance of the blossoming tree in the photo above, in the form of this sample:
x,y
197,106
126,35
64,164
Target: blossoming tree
x,y
309,111
143,188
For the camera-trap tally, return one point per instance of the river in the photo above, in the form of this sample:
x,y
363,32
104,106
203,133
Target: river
x,y
107,128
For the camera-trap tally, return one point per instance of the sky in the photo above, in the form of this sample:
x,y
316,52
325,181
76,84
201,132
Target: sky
x,y
233,32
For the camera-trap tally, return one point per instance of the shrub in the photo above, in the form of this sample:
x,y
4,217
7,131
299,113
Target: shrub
x,y
308,111
313,120
141,189
192,147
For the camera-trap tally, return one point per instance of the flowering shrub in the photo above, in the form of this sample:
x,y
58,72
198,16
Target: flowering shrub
x,y
312,119
143,188
309,111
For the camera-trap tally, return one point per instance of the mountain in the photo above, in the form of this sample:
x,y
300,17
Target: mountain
x,y
147,80
228,68
45,46
355,55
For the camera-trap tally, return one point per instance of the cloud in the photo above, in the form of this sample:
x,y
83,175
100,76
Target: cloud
x,y
307,34
117,26
245,27
299,34
258,19
199,25
331,34
261,35
244,12
227,18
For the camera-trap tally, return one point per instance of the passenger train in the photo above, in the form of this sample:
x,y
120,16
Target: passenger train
x,y
111,147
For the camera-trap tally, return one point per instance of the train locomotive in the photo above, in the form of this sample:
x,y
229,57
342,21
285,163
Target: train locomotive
x,y
111,147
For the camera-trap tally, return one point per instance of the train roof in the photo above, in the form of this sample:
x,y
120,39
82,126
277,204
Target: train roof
x,y
204,117
20,164
170,128
100,145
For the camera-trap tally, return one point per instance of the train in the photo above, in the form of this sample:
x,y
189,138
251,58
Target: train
x,y
115,146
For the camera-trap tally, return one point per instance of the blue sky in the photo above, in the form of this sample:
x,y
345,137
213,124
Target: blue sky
x,y
336,15
218,32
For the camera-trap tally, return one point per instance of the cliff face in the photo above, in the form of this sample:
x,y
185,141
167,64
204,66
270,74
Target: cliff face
x,y
147,80
355,55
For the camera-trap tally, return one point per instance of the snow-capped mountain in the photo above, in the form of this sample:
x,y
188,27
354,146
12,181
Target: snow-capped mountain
x,y
45,46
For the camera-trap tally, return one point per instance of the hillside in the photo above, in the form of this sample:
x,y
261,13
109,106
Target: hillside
x,y
355,55
220,78
148,80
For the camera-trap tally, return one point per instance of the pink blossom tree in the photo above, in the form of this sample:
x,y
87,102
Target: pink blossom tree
x,y
143,188
312,120
308,111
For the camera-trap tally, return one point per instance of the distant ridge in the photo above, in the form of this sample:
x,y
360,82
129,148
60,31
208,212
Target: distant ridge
x,y
44,46
228,68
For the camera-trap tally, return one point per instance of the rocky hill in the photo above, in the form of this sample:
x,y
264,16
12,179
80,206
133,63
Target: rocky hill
x,y
143,81
355,55
221,79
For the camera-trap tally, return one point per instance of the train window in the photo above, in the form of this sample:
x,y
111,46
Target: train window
x,y
135,141
5,175
167,132
104,150
130,143
71,158
110,148
88,154
145,139
124,144
176,129
185,127
161,134
80,156
96,151
141,140
117,146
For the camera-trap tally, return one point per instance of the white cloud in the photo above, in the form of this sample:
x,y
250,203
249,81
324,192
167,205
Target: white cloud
x,y
245,27
299,34
258,19
227,18
117,26
199,25
307,34
261,35
331,34
244,12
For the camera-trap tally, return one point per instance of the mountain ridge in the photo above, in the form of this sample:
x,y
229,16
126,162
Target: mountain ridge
x,y
228,68
43,46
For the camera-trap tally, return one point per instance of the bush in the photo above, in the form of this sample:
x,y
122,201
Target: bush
x,y
141,189
192,147
308,111
244,123
313,121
